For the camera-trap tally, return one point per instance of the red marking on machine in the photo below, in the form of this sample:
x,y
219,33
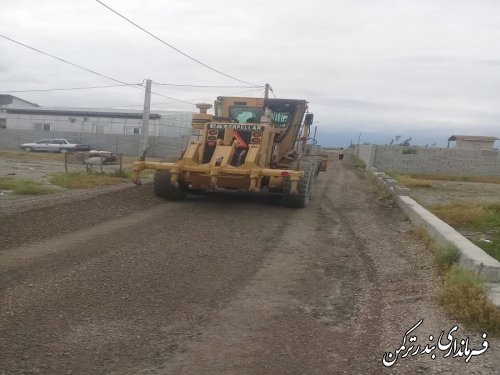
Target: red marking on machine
x,y
240,140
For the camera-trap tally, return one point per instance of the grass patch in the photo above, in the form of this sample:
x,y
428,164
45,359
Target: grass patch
x,y
492,248
147,173
24,187
23,155
357,162
483,218
461,214
464,296
485,179
410,151
120,174
412,182
444,257
128,160
383,194
79,180
462,293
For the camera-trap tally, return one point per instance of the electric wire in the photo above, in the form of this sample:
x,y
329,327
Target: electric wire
x,y
133,85
187,100
71,88
87,70
198,99
66,61
124,85
171,46
206,86
271,89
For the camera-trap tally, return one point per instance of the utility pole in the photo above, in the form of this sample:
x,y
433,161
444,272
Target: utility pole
x,y
266,93
143,143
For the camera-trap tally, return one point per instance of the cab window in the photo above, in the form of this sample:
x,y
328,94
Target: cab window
x,y
244,114
280,119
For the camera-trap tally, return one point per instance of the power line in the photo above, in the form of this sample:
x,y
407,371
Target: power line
x,y
187,100
173,99
66,61
207,86
198,99
171,46
270,88
87,70
73,88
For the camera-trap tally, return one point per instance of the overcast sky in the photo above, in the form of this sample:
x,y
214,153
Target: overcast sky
x,y
425,69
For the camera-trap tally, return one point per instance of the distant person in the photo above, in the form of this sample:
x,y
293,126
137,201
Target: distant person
x,y
341,153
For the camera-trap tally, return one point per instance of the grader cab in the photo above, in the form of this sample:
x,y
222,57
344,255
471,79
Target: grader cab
x,y
250,144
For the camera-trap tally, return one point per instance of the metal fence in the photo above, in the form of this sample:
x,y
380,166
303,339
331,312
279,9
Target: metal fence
x,y
160,146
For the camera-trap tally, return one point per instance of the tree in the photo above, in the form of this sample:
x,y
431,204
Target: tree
x,y
406,142
396,139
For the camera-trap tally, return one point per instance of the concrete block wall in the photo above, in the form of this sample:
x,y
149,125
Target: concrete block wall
x,y
366,153
125,144
447,161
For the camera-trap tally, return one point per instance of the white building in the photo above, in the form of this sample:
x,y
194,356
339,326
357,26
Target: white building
x,y
10,101
97,121
473,142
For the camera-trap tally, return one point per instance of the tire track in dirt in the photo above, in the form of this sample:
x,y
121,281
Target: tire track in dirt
x,y
219,284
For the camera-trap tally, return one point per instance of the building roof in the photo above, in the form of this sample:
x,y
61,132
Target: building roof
x,y
8,99
85,112
475,138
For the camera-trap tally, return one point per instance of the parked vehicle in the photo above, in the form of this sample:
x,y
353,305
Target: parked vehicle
x,y
54,145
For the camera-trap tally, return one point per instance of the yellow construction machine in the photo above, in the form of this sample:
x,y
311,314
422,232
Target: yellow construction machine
x,y
250,144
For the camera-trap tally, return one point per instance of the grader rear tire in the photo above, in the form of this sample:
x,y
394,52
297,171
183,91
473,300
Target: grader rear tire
x,y
163,188
304,187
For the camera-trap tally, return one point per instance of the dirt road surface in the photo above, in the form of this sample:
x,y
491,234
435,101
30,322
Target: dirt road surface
x,y
126,283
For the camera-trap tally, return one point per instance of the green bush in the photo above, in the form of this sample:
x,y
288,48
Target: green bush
x,y
464,296
24,187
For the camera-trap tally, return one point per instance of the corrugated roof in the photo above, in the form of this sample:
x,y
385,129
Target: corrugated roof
x,y
472,138
89,112
8,99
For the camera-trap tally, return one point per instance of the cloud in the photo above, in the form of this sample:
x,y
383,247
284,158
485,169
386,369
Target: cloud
x,y
380,66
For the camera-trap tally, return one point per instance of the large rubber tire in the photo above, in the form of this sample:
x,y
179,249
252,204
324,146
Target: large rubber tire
x,y
163,188
304,188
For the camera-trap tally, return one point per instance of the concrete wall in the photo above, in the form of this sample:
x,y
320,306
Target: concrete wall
x,y
366,153
446,161
125,144
474,145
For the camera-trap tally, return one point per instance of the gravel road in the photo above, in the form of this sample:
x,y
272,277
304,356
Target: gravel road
x,y
126,283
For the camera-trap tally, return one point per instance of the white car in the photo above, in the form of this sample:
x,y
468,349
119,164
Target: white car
x,y
54,145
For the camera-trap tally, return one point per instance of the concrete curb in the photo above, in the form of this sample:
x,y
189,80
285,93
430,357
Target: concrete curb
x,y
472,256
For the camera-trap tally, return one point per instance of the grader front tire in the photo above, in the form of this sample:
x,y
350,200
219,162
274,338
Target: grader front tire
x,y
163,188
304,187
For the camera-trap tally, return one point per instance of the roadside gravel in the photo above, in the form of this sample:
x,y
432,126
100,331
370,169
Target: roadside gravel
x,y
126,283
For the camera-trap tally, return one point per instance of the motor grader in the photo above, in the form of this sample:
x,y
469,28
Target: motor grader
x,y
249,144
